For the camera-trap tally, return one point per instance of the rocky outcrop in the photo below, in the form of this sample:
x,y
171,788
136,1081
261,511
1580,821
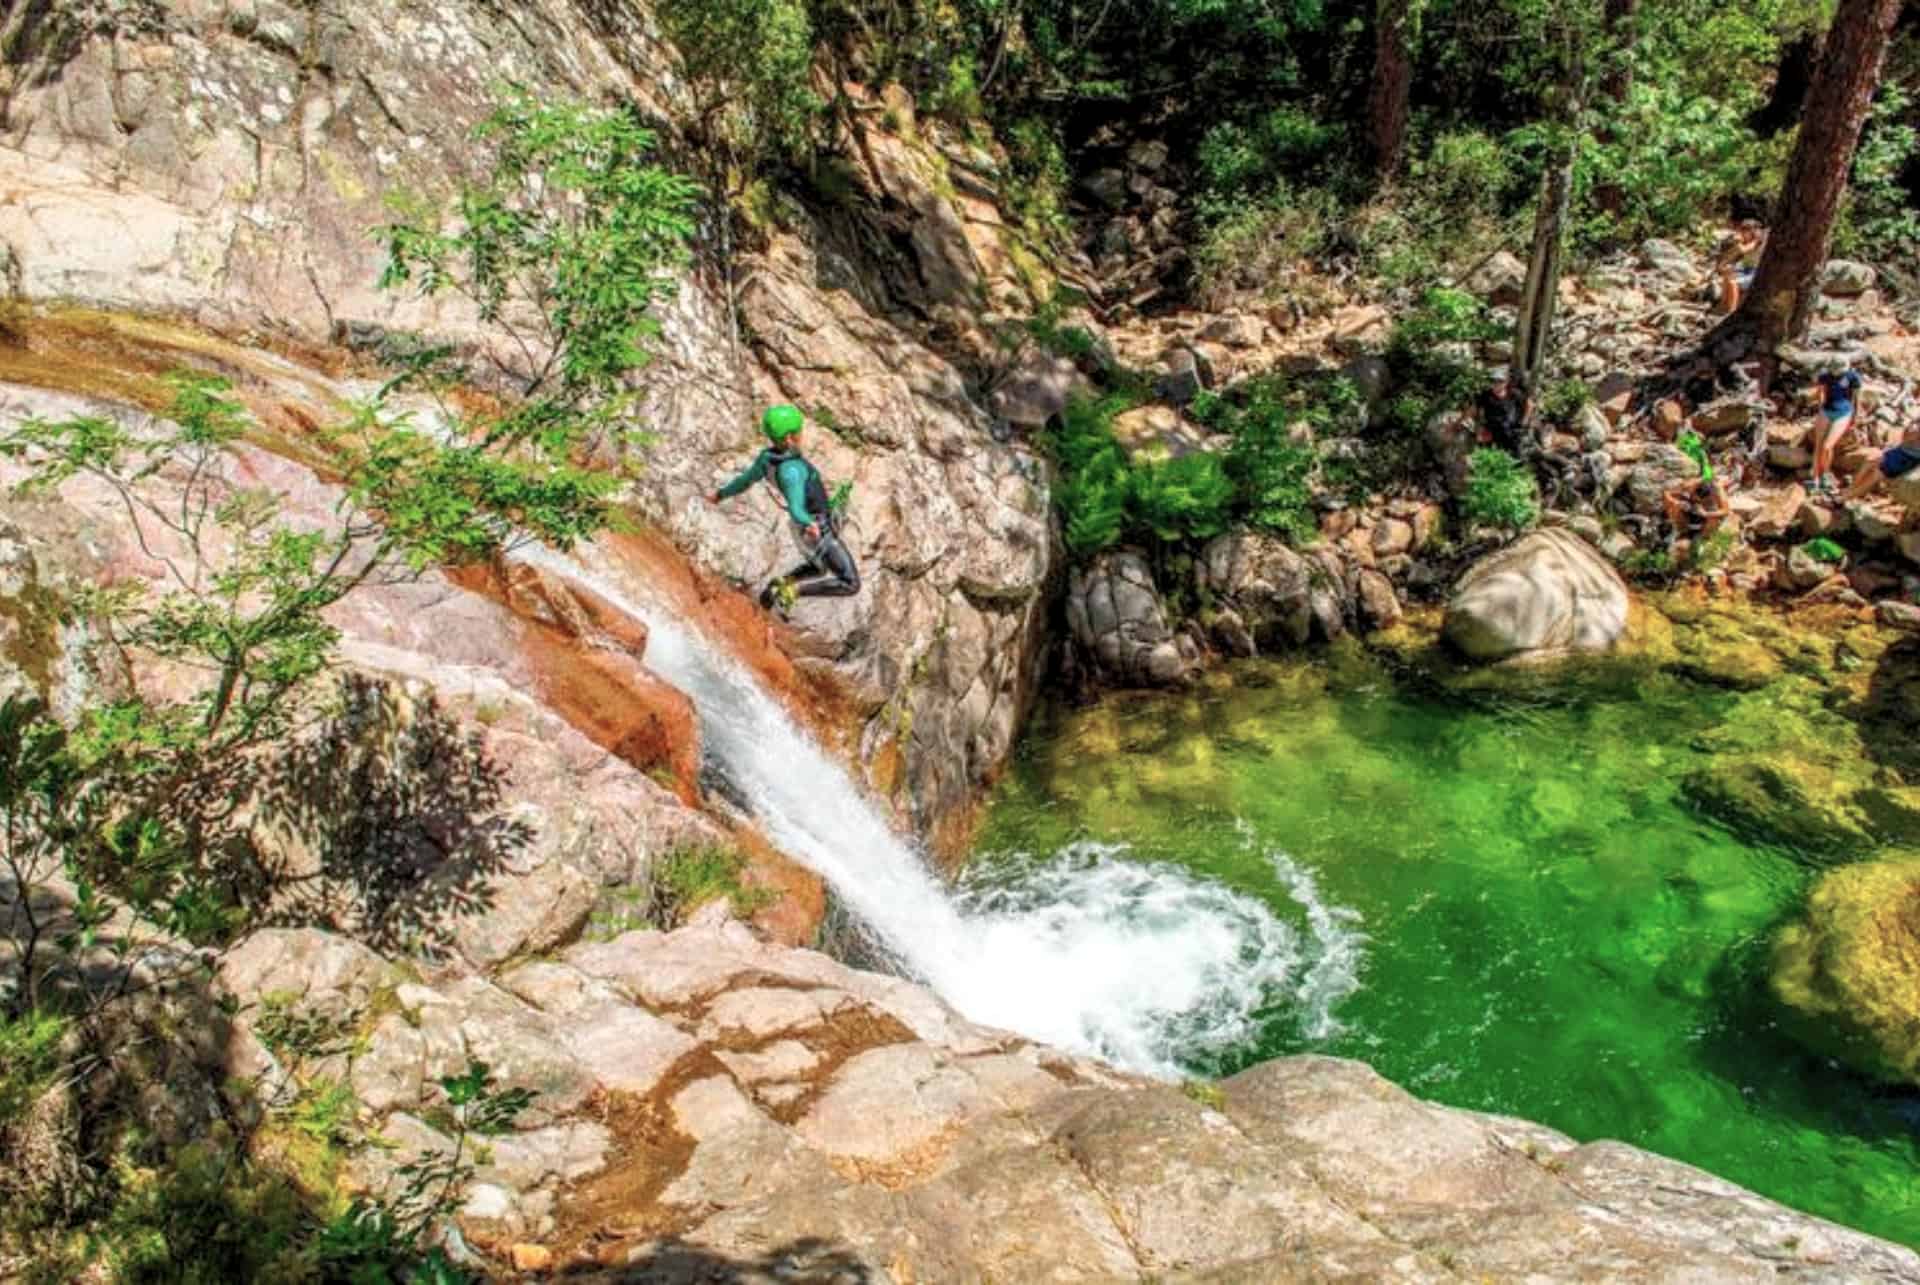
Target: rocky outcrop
x,y
1849,969
223,163
703,1098
1117,619
1548,593
1266,595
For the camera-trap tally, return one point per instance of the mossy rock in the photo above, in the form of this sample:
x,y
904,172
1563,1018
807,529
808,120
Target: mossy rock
x,y
1848,970
1787,796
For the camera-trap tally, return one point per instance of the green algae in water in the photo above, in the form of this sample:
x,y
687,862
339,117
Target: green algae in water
x,y
1551,932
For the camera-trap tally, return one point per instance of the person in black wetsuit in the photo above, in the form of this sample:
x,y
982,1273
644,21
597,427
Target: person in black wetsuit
x,y
829,570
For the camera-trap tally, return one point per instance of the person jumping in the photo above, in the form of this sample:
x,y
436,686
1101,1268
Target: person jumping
x,y
829,570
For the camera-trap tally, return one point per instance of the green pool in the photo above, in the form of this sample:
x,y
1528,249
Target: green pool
x,y
1539,924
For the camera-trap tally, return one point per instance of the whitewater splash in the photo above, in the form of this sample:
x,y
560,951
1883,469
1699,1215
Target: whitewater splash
x,y
1141,964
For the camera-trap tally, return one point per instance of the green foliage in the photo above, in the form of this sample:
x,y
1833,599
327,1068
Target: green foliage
x,y
1431,374
1038,177
1500,492
1287,143
1879,221
1712,552
568,245
1648,564
1565,398
1094,475
1274,474
1670,156
1181,499
683,879
30,1056
750,65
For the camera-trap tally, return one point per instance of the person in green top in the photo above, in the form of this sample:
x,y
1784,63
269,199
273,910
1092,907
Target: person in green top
x,y
829,571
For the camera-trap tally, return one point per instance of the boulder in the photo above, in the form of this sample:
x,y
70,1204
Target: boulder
x,y
1239,330
1894,614
1118,621
1848,970
1379,605
1592,427
1802,571
1773,514
1549,592
1149,155
1282,597
1661,469
1372,378
1392,537
1500,279
1844,278
1180,379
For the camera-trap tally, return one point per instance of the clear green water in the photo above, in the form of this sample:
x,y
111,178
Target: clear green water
x,y
1552,933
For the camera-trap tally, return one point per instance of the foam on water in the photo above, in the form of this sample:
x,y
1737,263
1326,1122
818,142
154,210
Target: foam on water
x,y
1140,963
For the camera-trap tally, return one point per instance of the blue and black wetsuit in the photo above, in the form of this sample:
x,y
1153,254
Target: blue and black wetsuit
x,y
829,571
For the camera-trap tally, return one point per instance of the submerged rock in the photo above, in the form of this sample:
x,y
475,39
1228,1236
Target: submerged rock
x,y
1849,968
1549,592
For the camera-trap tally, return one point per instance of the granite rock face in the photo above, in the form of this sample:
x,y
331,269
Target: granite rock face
x,y
710,1103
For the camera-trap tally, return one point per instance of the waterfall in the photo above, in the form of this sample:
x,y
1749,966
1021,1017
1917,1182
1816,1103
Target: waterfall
x,y
1139,963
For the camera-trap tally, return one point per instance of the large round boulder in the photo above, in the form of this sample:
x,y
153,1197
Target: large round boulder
x,y
1548,592
1849,969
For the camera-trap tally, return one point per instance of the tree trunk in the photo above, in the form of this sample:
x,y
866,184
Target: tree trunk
x,y
1543,267
1792,78
1779,306
1389,101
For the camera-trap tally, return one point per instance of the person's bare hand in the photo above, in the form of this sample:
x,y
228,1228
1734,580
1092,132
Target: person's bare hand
x,y
813,530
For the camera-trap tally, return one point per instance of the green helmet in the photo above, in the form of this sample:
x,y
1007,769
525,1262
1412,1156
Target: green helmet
x,y
782,422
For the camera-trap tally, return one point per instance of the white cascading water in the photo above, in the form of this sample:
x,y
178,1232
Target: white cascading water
x,y
1138,963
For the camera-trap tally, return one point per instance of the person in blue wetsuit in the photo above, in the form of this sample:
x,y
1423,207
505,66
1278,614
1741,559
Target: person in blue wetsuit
x,y
1836,390
829,571
1894,463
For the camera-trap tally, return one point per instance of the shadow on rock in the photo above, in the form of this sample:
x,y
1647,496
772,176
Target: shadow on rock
x,y
386,823
804,1262
1889,714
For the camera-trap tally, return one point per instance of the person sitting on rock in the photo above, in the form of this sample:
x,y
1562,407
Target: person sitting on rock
x,y
1696,509
1504,411
1737,262
1892,464
829,570
1836,390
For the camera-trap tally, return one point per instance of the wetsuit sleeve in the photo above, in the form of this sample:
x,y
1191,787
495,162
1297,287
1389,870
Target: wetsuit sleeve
x,y
747,477
793,485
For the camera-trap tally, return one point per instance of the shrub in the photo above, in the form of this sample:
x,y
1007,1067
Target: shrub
x,y
1181,499
1094,484
684,879
1286,143
1500,492
1564,399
